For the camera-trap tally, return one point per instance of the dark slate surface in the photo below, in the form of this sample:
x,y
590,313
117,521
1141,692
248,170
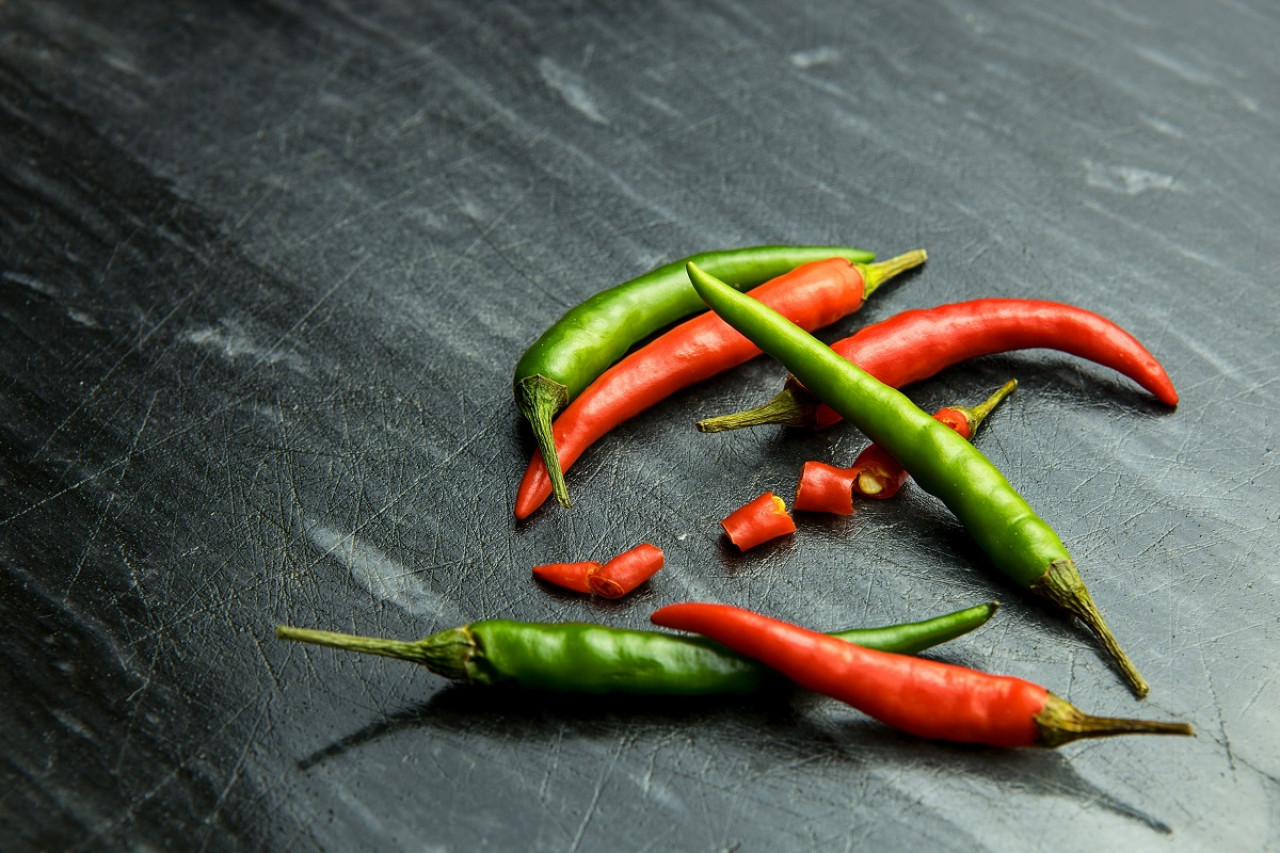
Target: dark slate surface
x,y
265,269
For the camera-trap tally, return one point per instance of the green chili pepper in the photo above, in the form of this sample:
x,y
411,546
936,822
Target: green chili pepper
x,y
1020,544
585,658
594,334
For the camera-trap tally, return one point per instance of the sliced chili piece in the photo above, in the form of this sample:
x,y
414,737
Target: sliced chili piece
x,y
571,576
814,295
758,522
579,346
585,658
825,488
1018,542
917,344
923,697
625,572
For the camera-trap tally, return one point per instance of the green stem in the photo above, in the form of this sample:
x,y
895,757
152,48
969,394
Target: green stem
x,y
975,415
786,409
539,400
874,275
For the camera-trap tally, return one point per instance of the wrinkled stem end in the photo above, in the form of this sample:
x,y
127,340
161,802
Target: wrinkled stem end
x,y
1062,585
874,275
539,400
446,653
786,409
979,413
1061,722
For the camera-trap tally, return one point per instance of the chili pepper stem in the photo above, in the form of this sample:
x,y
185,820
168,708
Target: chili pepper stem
x,y
446,653
977,414
539,399
874,275
786,409
1061,722
1062,584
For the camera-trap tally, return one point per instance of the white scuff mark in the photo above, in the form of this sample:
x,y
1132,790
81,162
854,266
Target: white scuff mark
x,y
82,318
29,282
825,55
1226,367
570,88
384,578
1176,66
231,341
1164,127
1129,180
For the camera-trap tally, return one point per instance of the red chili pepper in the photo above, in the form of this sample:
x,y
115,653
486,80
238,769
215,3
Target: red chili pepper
x,y
923,697
572,576
812,296
626,571
876,474
763,519
915,345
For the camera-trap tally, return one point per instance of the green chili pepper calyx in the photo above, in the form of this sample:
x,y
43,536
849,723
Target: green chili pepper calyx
x,y
786,409
1061,583
539,399
1061,722
451,653
873,275
977,414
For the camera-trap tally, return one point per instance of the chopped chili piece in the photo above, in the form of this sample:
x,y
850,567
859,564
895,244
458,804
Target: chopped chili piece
x,y
585,658
572,576
626,571
825,488
923,697
814,295
1018,542
917,344
763,519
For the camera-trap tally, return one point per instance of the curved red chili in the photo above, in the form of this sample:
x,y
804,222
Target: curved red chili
x,y
812,296
625,572
923,697
917,344
758,522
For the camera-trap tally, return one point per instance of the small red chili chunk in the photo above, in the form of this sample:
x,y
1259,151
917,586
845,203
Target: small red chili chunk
x,y
825,488
572,576
626,571
763,519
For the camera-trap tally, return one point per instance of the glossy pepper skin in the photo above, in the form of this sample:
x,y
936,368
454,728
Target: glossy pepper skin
x,y
626,572
594,334
585,658
1017,541
923,697
814,295
914,345
757,522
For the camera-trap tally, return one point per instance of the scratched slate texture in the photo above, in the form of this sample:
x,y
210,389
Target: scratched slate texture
x,y
265,269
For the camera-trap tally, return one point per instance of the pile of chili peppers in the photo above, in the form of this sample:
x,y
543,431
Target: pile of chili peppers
x,y
577,382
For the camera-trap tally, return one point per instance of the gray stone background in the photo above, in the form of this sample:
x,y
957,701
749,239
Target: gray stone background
x,y
265,270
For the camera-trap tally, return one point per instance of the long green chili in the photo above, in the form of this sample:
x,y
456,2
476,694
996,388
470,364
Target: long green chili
x,y
586,658
1019,543
594,334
